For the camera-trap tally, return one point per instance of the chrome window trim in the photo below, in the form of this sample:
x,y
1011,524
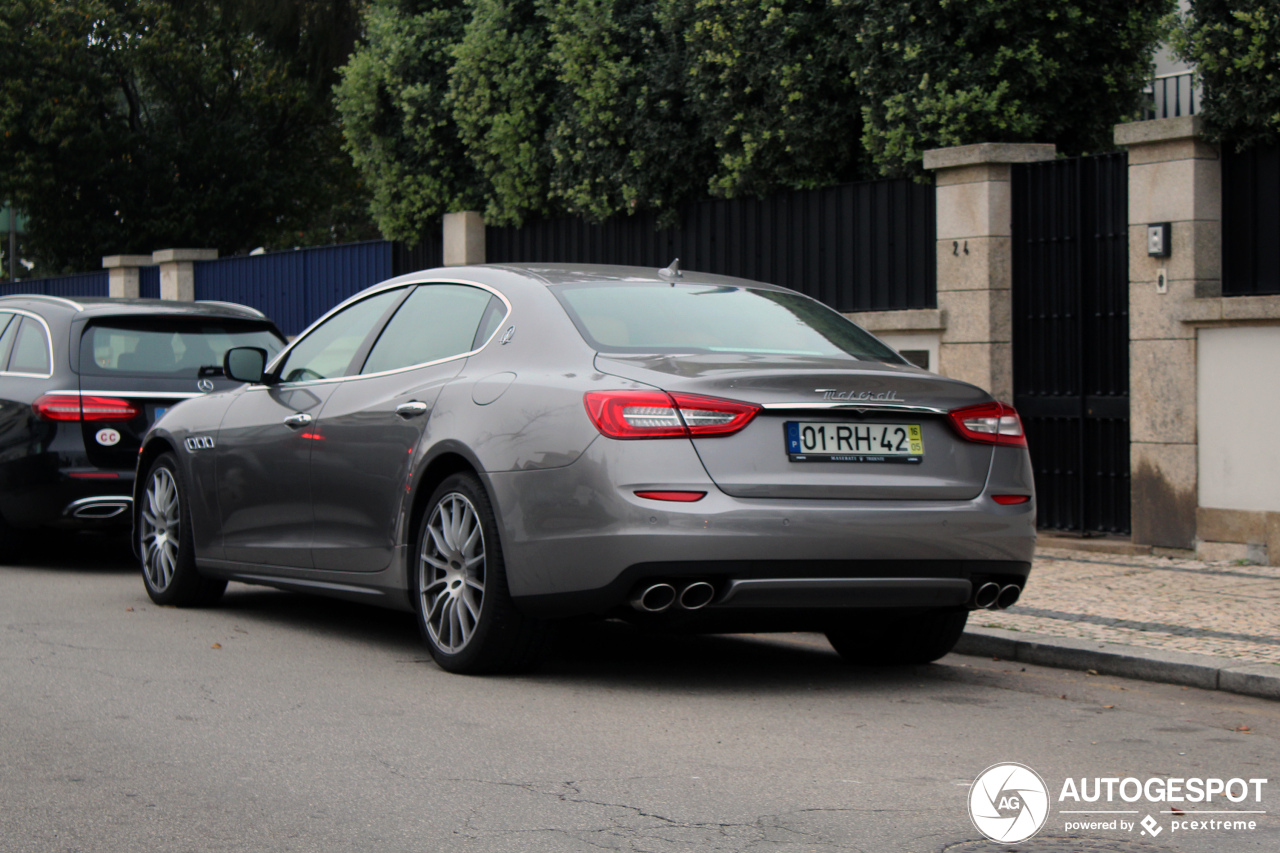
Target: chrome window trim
x,y
48,342
866,405
185,395
329,381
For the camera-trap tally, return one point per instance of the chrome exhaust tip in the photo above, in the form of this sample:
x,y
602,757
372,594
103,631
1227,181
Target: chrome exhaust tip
x,y
697,595
1008,596
654,598
986,596
99,508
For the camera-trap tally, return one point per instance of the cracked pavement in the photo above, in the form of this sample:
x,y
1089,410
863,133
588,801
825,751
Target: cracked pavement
x,y
280,722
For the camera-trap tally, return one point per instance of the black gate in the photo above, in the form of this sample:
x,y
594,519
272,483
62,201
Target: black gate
x,y
1071,337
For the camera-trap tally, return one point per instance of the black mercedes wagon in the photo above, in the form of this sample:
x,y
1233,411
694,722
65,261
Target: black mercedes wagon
x,y
81,380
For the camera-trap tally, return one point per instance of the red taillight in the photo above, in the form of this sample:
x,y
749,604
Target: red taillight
x,y
655,414
72,407
679,497
1010,500
989,423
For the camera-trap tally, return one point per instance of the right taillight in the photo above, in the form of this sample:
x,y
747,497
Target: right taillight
x,y
73,407
989,423
656,414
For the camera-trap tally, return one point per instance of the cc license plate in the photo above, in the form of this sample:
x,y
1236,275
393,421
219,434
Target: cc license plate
x,y
827,442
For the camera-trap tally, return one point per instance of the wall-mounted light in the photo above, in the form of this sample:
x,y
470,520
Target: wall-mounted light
x,y
1159,244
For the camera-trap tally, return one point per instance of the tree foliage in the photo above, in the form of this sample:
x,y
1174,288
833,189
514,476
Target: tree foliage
x,y
772,83
624,134
499,88
936,73
131,125
1235,45
607,107
398,122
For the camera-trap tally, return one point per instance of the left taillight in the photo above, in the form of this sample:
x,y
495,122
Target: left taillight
x,y
989,423
72,407
657,414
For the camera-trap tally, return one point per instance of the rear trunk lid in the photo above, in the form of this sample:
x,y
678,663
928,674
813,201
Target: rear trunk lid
x,y
831,428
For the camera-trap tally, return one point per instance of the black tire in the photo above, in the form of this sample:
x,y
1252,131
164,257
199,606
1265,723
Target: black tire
x,y
164,540
899,640
459,580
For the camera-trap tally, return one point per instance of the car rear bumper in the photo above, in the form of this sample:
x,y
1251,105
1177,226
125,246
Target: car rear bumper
x,y
69,496
581,541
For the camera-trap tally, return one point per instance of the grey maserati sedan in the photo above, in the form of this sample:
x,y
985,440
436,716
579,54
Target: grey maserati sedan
x,y
502,448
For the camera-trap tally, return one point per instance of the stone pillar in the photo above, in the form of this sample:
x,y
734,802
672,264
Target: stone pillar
x,y
463,238
1174,177
177,271
122,274
975,259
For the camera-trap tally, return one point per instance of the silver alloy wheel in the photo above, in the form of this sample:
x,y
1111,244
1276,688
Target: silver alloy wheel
x,y
451,573
161,529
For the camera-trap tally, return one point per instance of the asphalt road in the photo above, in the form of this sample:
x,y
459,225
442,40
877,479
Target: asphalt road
x,y
280,722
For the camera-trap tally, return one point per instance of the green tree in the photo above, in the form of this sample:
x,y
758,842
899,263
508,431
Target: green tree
x,y
771,81
398,121
500,89
131,125
624,136
937,73
1235,45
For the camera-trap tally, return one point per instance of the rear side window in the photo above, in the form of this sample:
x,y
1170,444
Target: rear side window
x,y
8,331
172,348
30,349
437,321
699,318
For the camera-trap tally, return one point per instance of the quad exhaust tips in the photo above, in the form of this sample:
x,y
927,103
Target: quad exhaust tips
x,y
993,596
660,597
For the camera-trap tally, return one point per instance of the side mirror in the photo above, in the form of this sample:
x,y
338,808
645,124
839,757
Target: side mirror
x,y
245,364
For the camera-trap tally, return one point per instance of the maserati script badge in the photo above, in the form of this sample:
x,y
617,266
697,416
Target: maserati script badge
x,y
859,396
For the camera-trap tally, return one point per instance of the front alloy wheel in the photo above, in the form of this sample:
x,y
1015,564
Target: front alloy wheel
x,y
164,541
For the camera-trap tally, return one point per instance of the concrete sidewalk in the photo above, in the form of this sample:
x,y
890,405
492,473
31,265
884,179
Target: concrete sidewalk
x,y
1183,621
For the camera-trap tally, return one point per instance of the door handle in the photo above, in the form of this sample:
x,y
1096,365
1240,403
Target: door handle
x,y
299,420
411,409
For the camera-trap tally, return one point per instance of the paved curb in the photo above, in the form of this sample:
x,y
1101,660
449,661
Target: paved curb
x,y
1204,671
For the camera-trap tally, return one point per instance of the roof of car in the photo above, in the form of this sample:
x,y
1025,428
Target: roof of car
x,y
595,273
101,306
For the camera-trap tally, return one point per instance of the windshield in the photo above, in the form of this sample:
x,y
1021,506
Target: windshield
x,y
169,349
692,318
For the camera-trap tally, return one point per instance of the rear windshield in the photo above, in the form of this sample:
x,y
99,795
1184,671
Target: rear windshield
x,y
691,318
171,349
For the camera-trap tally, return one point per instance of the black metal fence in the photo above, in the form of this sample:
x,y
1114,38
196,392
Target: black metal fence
x,y
1250,221
1071,337
857,247
76,284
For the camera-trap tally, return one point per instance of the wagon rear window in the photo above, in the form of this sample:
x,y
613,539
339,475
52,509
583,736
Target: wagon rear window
x,y
691,318
178,349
